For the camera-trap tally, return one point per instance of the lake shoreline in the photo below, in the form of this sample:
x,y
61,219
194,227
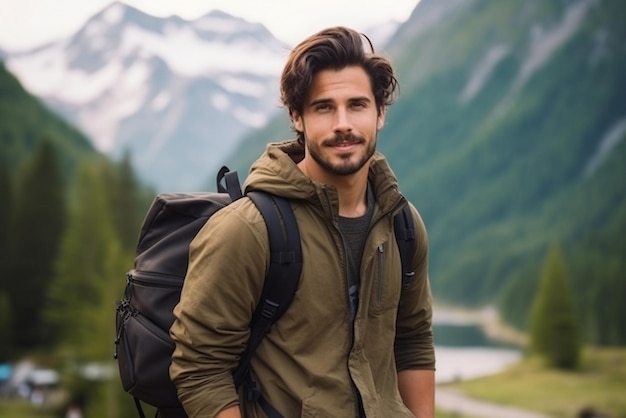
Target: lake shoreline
x,y
487,318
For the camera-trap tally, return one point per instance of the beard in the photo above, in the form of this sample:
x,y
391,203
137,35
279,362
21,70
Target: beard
x,y
346,166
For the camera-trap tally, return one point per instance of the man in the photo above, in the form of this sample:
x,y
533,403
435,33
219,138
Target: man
x,y
352,343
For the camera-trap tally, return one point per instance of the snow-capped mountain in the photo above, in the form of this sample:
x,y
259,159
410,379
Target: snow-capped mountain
x,y
177,94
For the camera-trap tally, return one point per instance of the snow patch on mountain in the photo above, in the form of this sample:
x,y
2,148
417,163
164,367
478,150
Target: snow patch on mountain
x,y
187,54
546,41
482,71
178,94
614,135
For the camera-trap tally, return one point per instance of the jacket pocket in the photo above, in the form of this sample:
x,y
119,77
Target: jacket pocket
x,y
385,292
380,275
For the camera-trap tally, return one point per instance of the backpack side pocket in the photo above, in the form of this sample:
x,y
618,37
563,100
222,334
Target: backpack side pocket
x,y
144,353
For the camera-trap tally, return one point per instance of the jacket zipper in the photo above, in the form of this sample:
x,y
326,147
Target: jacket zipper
x,y
381,275
355,390
357,395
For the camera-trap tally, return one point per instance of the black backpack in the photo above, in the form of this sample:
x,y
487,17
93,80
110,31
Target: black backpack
x,y
145,314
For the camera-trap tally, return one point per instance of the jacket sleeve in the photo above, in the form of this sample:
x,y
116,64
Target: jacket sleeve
x,y
227,264
414,346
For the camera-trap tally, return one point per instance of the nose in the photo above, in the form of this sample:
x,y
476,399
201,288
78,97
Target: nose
x,y
342,121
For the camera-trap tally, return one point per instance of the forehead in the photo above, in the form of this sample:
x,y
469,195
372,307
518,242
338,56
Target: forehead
x,y
340,84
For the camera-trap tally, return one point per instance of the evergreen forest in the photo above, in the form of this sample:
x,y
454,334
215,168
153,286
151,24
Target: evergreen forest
x,y
68,228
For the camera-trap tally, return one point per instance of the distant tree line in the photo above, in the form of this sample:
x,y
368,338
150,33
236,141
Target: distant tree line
x,y
65,251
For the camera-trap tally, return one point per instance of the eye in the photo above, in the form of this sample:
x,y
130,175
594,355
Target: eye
x,y
360,104
323,107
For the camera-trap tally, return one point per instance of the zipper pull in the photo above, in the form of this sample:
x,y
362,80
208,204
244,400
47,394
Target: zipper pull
x,y
126,311
127,291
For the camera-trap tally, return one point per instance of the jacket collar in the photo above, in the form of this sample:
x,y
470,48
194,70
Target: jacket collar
x,y
276,172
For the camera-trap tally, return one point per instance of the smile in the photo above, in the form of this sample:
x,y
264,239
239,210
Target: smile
x,y
345,146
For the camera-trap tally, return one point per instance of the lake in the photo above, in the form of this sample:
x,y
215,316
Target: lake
x,y
464,352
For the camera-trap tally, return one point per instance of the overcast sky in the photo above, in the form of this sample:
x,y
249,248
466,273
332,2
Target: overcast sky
x,y
28,23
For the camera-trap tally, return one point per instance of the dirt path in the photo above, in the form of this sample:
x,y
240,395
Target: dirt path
x,y
454,401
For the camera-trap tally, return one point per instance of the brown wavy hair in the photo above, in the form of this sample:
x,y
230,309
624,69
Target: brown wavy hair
x,y
334,48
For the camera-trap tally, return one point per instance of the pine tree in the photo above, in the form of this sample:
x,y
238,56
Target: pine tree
x,y
89,282
83,261
6,214
37,227
5,328
553,321
125,202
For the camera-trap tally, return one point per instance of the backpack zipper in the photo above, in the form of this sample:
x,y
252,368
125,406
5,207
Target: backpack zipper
x,y
154,279
125,311
130,312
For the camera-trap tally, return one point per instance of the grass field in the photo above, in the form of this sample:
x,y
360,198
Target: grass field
x,y
600,382
21,409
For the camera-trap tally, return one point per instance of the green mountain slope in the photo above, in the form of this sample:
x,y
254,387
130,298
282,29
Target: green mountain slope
x,y
510,104
509,135
24,121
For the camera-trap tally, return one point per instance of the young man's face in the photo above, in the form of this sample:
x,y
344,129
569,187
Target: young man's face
x,y
340,122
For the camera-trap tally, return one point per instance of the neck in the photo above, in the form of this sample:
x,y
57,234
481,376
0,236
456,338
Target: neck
x,y
352,197
351,190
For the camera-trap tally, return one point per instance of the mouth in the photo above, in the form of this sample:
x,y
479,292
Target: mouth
x,y
345,148
344,142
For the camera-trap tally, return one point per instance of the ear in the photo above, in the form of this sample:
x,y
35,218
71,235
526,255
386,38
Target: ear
x,y
297,121
380,120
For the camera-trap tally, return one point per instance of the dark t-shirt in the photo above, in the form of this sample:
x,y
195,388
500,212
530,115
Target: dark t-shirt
x,y
354,232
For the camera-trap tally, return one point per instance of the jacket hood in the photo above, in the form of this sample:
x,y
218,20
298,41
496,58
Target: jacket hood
x,y
276,172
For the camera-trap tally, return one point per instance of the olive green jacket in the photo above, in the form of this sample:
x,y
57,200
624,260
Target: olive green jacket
x,y
315,361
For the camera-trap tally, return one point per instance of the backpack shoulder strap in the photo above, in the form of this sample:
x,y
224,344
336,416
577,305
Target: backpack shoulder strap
x,y
233,187
405,237
283,275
